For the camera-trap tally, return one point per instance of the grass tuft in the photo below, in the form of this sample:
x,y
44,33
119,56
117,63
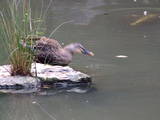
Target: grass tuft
x,y
16,27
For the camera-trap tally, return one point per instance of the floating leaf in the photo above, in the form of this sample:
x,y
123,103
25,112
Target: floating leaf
x,y
144,19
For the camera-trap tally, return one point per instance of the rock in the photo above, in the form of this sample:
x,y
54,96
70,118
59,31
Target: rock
x,y
44,76
18,82
49,72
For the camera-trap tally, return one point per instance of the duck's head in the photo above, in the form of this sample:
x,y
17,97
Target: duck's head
x,y
78,48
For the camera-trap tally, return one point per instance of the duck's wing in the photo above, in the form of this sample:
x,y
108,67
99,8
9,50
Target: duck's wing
x,y
48,43
51,52
52,58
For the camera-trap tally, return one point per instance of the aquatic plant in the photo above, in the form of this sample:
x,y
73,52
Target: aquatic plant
x,y
16,27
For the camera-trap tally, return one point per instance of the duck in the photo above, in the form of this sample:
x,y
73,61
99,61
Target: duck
x,y
49,51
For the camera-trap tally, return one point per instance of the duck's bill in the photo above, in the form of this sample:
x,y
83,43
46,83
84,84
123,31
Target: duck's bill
x,y
87,52
90,54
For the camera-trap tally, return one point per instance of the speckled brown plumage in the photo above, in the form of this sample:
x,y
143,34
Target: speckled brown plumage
x,y
49,51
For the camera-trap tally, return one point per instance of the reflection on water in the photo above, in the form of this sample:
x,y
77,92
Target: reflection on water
x,y
49,91
126,88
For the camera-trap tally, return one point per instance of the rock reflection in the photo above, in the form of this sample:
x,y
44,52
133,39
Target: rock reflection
x,y
49,91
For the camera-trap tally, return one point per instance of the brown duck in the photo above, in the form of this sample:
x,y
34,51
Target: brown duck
x,y
49,51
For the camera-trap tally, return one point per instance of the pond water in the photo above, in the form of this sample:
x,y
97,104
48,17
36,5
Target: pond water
x,y
125,68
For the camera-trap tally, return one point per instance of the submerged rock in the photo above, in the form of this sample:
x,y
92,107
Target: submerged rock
x,y
44,76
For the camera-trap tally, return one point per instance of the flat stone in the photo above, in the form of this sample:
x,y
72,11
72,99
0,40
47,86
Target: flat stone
x,y
26,81
49,72
44,76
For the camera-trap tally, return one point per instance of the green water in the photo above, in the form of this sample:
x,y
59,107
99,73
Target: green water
x,y
125,88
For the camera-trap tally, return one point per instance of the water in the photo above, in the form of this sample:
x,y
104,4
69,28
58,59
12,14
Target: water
x,y
126,88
